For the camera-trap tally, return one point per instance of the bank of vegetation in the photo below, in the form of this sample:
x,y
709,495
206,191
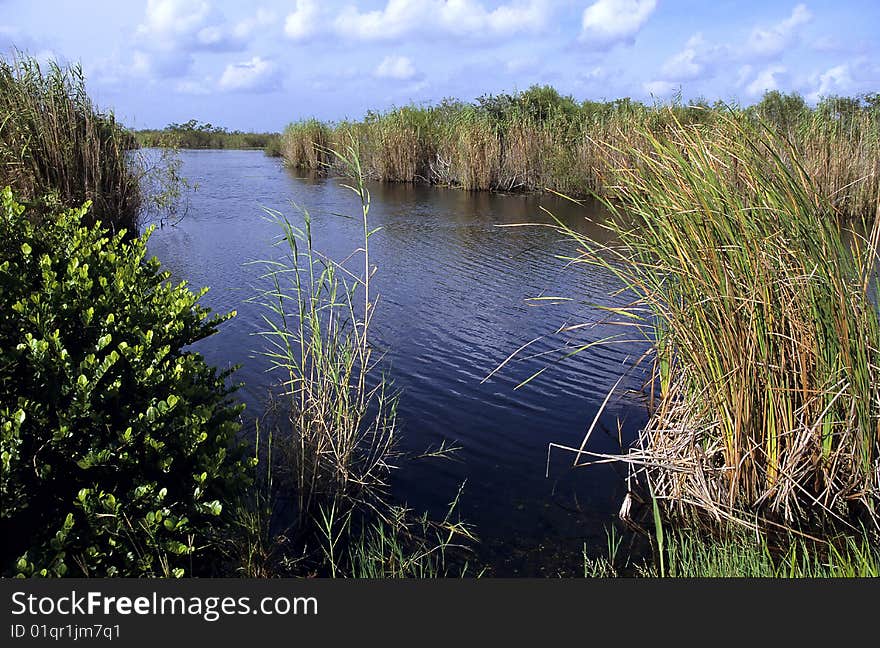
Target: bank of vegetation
x,y
57,150
199,135
540,140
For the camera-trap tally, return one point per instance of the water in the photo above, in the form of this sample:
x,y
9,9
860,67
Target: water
x,y
454,304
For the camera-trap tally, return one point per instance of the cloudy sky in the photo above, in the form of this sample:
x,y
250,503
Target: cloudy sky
x,y
259,65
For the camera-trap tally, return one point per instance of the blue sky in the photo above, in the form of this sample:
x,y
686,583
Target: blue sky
x,y
259,65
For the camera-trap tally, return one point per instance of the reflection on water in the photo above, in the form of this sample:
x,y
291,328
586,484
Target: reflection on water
x,y
454,304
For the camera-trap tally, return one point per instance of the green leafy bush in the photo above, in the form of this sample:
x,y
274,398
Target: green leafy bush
x,y
118,447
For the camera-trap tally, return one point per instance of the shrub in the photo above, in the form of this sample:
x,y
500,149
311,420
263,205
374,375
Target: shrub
x,y
117,445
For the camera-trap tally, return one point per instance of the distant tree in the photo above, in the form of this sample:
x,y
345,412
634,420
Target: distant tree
x,y
539,103
782,110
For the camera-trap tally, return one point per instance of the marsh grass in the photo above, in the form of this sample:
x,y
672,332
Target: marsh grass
x,y
690,556
760,307
340,431
735,553
399,544
307,145
56,147
539,140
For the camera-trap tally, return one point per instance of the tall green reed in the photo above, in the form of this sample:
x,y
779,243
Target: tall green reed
x,y
762,312
57,147
338,431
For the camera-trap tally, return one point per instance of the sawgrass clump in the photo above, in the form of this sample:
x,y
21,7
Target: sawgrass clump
x,y
57,150
761,310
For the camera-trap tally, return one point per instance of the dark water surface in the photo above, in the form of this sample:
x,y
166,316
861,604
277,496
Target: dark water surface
x,y
454,288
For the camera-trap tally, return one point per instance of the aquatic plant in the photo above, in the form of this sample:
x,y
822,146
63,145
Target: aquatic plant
x,y
333,424
761,308
58,150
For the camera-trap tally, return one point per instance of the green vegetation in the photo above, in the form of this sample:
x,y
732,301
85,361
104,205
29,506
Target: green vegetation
x,y
117,445
538,139
760,307
197,135
119,448
340,432
689,553
57,151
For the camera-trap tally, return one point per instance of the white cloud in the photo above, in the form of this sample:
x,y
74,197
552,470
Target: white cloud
x,y
836,80
461,18
397,18
159,64
768,42
608,22
660,88
256,75
507,19
766,80
173,31
852,77
167,18
701,59
697,60
246,28
193,25
303,22
399,68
